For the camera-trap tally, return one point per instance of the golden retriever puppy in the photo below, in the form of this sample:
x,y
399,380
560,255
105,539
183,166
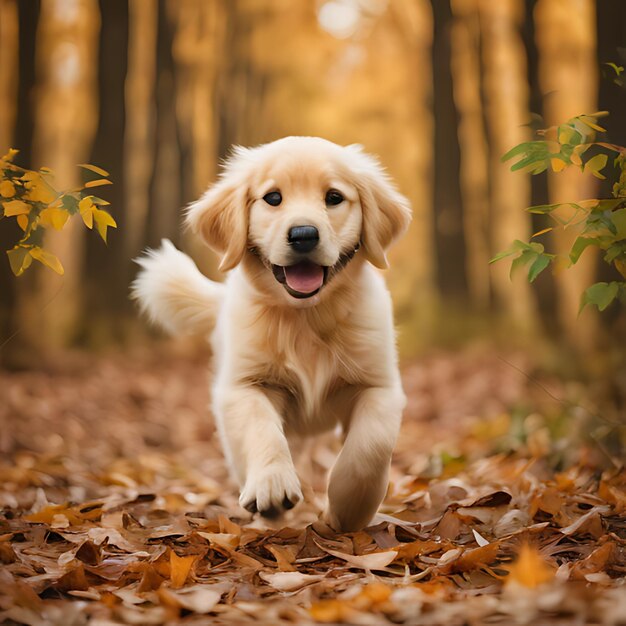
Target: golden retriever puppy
x,y
302,328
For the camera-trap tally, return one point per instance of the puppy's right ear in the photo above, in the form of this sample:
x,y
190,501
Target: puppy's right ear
x,y
220,216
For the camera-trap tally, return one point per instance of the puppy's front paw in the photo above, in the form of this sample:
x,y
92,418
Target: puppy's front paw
x,y
271,490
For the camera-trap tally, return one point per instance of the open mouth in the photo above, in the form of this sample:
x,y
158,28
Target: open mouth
x,y
302,280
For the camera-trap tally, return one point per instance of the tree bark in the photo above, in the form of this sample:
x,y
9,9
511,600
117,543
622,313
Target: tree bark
x,y
66,114
139,131
566,39
9,67
474,170
506,96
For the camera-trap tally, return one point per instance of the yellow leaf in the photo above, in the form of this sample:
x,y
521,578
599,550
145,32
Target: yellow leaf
x,y
10,155
103,221
53,216
590,121
19,259
48,259
542,232
38,188
530,569
557,164
86,208
577,152
595,164
22,221
7,189
98,183
180,566
93,168
15,207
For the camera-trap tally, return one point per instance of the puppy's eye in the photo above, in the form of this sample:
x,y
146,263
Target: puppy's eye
x,y
273,198
333,198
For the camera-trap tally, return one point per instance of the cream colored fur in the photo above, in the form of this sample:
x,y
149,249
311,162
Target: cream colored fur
x,y
285,365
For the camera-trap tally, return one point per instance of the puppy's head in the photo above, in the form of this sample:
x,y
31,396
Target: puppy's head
x,y
296,211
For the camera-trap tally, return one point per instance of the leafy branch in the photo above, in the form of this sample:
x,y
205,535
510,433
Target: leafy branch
x,y
30,197
601,223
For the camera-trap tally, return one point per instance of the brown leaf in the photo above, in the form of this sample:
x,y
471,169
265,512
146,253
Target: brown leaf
x,y
180,568
89,553
73,580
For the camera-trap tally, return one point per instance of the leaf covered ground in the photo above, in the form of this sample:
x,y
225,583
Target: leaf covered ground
x,y
116,507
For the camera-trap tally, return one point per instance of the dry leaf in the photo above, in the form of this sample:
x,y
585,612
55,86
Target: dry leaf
x,y
530,569
372,561
289,581
180,568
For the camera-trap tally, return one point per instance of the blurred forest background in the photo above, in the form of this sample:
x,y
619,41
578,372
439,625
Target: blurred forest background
x,y
157,91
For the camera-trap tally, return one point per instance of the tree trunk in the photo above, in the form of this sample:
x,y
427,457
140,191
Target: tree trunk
x,y
65,123
412,278
198,51
474,171
9,67
139,130
566,39
506,95
447,201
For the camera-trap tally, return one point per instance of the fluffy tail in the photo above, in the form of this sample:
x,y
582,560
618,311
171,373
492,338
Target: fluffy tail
x,y
174,294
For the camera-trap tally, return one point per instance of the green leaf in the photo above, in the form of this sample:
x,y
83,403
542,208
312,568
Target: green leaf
x,y
70,204
526,257
543,209
618,69
514,248
567,134
580,245
600,295
521,148
615,250
539,264
619,220
596,164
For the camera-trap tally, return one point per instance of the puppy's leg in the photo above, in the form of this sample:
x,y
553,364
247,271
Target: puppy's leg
x,y
358,480
252,433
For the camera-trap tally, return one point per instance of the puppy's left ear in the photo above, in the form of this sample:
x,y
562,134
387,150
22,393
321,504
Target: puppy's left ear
x,y
386,212
220,216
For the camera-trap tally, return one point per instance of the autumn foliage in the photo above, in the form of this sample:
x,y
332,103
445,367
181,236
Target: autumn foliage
x,y
31,198
599,222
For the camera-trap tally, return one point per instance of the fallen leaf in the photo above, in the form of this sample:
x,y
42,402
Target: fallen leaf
x,y
372,561
530,569
180,567
289,581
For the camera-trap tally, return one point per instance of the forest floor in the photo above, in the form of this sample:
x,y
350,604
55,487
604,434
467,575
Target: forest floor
x,y
116,507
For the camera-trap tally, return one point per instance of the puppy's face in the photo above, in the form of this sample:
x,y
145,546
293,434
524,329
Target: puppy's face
x,y
296,211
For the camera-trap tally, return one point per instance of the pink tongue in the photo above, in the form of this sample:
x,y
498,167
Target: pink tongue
x,y
304,277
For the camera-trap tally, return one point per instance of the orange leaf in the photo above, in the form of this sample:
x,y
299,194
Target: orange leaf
x,y
98,183
530,569
180,566
557,164
93,168
330,611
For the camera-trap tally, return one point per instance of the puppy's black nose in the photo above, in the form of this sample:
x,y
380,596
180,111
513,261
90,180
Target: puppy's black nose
x,y
303,238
